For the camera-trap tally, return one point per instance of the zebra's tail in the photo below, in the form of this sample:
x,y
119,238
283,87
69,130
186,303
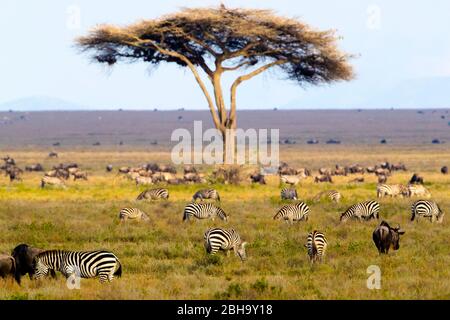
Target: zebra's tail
x,y
118,272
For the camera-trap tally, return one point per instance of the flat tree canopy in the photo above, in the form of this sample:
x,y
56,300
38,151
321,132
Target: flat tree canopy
x,y
219,40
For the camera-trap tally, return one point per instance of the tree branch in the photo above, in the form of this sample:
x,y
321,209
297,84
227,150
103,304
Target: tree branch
x,y
239,80
191,66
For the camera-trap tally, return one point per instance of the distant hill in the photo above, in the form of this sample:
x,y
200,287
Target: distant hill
x,y
415,93
40,103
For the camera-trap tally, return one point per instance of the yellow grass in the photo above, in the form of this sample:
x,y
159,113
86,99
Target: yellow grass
x,y
165,258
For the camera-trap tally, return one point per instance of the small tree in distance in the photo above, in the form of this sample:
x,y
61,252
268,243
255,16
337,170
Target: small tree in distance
x,y
219,40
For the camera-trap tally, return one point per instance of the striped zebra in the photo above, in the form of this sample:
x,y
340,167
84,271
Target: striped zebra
x,y
289,194
154,194
206,194
132,214
293,212
316,244
418,190
84,264
392,190
203,211
362,211
220,239
426,209
333,195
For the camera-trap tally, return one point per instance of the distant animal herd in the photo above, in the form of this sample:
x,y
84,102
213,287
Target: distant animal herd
x,y
38,263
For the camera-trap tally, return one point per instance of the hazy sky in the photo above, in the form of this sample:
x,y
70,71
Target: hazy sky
x,y
396,41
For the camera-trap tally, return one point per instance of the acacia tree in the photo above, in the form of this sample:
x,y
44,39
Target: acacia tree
x,y
219,40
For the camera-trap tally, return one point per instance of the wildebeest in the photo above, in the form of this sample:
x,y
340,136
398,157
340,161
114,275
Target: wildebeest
x,y
124,169
357,180
8,267
24,255
190,169
53,155
168,168
416,179
257,178
323,178
382,179
52,181
325,171
14,173
109,168
34,167
80,175
385,237
444,170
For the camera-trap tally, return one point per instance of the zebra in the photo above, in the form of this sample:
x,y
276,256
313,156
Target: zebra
x,y
316,244
220,239
418,190
362,211
132,213
203,211
289,194
154,194
85,264
293,212
206,194
392,190
426,209
333,195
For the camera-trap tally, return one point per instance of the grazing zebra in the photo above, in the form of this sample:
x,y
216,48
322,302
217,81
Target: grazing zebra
x,y
220,239
293,212
154,194
289,194
85,264
132,214
392,190
203,211
206,194
362,211
426,209
333,195
418,190
316,244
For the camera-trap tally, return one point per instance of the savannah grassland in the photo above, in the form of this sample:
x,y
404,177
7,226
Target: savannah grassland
x,y
165,258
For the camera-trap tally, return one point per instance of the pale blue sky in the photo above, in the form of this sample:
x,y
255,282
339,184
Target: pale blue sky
x,y
398,41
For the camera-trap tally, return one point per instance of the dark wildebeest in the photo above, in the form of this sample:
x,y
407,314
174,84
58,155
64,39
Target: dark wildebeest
x,y
190,169
34,167
416,179
109,168
7,266
323,178
24,255
257,178
53,155
385,237
444,170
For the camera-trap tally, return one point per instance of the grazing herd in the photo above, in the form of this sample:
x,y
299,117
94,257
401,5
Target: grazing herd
x,y
38,263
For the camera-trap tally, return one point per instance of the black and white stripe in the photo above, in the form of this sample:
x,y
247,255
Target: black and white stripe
x,y
154,194
132,214
220,239
332,195
316,244
289,194
84,264
293,212
426,209
392,190
362,211
203,211
206,194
